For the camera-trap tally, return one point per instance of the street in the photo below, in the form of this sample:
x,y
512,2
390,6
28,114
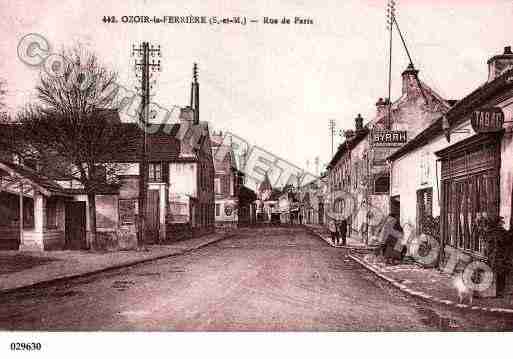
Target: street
x,y
277,279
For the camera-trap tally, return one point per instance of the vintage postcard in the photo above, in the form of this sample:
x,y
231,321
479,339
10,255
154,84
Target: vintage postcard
x,y
244,166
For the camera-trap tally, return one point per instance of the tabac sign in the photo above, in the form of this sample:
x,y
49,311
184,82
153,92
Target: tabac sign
x,y
386,138
487,120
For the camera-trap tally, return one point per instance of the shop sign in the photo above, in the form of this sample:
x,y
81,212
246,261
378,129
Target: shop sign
x,y
389,138
487,120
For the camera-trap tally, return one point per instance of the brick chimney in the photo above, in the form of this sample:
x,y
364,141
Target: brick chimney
x,y
500,63
381,108
410,86
186,116
358,123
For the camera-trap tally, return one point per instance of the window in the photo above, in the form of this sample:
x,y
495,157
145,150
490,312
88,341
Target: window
x,y
382,184
155,172
218,209
217,185
51,214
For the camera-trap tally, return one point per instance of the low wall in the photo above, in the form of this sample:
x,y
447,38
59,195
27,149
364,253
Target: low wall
x,y
9,238
53,240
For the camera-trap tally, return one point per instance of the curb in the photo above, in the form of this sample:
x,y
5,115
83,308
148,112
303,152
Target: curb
x,y
113,267
335,246
418,294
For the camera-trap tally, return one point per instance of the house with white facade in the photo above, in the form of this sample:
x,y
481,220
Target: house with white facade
x,y
460,168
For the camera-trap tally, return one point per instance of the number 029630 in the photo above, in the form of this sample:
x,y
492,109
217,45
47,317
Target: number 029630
x,y
25,346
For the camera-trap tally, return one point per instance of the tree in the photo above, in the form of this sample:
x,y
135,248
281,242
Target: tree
x,y
75,133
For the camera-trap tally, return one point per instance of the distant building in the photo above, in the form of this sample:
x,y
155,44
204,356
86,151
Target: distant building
x,y
314,201
228,182
267,208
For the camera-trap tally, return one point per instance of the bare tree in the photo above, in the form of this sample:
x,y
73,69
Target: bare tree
x,y
74,132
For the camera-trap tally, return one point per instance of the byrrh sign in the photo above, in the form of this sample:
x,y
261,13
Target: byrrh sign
x,y
389,138
487,120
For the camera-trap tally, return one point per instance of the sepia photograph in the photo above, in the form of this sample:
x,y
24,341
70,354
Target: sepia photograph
x,y
210,176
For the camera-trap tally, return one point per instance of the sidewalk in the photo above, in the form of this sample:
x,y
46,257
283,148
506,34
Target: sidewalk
x,y
429,284
322,232
25,269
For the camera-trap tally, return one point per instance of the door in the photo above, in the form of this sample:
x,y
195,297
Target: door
x,y
395,207
75,225
152,217
321,213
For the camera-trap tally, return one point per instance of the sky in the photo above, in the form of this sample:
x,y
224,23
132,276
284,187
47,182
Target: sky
x,y
277,86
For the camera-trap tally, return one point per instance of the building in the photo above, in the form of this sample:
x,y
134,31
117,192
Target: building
x,y
267,202
228,183
359,167
314,200
341,179
180,192
460,168
34,210
289,207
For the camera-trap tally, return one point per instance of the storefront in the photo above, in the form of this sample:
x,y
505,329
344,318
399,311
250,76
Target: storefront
x,y
470,190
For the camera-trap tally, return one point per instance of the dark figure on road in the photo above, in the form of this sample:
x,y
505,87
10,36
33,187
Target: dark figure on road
x,y
393,250
342,231
332,226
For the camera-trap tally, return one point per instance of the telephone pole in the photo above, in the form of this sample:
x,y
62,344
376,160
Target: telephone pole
x,y
332,134
145,67
390,27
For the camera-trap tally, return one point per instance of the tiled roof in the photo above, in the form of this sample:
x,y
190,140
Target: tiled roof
x,y
162,144
461,109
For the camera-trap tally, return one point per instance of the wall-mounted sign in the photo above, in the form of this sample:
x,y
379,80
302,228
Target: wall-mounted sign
x,y
487,120
388,138
127,211
228,210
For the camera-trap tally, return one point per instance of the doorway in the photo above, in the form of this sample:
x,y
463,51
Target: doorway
x,y
152,217
75,225
395,207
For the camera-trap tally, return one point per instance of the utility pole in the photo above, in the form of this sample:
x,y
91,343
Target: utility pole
x,y
390,27
145,66
409,58
332,134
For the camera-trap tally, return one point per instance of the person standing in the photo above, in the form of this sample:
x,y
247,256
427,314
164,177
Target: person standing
x,y
332,227
342,230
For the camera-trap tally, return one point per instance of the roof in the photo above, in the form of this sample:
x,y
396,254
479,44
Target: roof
x,y
265,185
44,184
462,108
163,144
